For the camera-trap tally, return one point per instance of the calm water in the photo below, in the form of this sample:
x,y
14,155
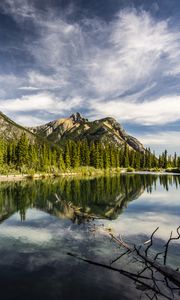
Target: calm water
x,y
39,227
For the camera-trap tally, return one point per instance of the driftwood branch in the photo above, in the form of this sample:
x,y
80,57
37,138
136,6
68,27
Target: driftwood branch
x,y
151,241
168,242
158,274
173,275
134,277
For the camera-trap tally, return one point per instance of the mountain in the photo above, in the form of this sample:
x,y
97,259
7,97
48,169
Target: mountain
x,y
76,127
9,130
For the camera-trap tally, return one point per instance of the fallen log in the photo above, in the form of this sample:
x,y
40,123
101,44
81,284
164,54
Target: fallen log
x,y
167,271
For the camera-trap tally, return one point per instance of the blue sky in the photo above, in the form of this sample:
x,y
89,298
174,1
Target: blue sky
x,y
118,58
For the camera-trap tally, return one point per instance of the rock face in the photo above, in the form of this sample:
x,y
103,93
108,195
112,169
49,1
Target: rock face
x,y
9,130
76,127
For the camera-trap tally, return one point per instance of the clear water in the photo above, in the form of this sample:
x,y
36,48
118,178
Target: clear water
x,y
39,227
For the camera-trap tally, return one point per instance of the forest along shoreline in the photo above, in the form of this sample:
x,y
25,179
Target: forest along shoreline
x,y
19,177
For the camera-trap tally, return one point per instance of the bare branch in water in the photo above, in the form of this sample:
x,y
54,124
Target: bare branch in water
x,y
151,241
154,277
125,273
168,242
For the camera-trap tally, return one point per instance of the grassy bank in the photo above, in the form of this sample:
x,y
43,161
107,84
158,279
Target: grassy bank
x,y
14,175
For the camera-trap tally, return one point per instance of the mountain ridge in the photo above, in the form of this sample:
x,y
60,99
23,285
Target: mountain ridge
x,y
76,127
10,130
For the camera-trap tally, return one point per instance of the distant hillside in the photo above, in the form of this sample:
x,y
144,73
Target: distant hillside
x,y
76,127
9,130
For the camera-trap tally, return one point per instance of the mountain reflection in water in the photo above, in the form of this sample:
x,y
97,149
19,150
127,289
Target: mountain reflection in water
x,y
43,220
104,197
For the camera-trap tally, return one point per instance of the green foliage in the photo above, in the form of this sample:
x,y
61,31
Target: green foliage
x,y
22,150
23,156
130,169
1,152
67,156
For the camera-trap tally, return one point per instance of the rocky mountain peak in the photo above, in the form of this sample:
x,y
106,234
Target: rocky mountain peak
x,y
77,117
76,127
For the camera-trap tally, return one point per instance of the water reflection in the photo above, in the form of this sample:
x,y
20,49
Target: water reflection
x,y
38,227
104,197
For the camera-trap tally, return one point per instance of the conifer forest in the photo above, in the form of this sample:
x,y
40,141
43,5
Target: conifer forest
x,y
24,156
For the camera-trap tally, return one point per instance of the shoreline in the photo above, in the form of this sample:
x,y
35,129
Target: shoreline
x,y
153,173
19,177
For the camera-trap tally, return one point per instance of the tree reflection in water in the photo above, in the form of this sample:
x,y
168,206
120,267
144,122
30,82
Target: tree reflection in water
x,y
79,199
104,197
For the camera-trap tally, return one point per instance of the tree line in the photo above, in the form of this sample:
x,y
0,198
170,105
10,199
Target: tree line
x,y
23,155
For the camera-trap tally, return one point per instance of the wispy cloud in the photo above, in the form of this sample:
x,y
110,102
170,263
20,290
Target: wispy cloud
x,y
37,80
107,59
161,140
43,100
19,9
156,112
125,67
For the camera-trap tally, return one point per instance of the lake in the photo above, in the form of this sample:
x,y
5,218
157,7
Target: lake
x,y
44,220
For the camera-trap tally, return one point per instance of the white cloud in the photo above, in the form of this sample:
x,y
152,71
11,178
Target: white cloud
x,y
9,80
42,101
92,61
161,140
38,102
155,112
146,223
37,236
39,81
136,44
106,59
28,103
30,120
19,9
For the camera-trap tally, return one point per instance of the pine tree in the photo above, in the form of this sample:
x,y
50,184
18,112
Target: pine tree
x,y
126,156
178,162
44,157
101,156
149,162
54,158
61,164
154,160
132,159
117,158
112,157
92,155
1,152
175,160
67,157
137,160
165,163
22,150
126,161
97,157
160,161
86,154
75,156
107,162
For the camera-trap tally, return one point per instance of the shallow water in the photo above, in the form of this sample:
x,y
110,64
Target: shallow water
x,y
38,228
